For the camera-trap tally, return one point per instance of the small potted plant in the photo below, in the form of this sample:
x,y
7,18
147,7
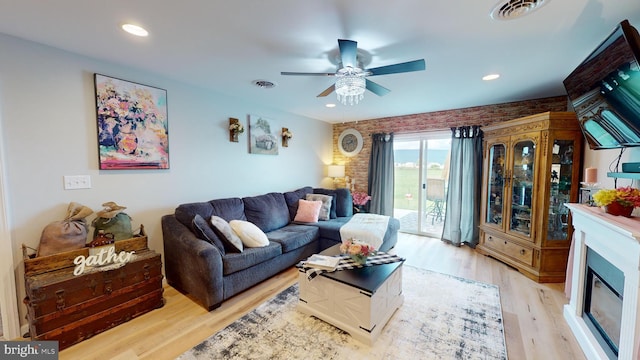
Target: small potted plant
x,y
620,201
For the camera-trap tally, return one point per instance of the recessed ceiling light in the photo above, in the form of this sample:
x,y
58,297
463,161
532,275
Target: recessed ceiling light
x,y
135,30
490,77
330,105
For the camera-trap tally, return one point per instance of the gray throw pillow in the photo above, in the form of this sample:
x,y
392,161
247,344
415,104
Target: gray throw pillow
x,y
231,241
203,230
325,210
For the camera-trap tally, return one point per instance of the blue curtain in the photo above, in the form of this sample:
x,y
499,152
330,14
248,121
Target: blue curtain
x,y
462,216
381,174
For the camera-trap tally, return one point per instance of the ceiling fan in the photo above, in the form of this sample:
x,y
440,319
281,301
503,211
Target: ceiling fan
x,y
351,79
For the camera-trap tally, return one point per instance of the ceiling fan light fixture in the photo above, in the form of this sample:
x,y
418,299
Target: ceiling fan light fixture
x,y
350,85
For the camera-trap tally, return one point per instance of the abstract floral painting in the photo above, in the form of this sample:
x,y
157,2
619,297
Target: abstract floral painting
x,y
132,125
264,135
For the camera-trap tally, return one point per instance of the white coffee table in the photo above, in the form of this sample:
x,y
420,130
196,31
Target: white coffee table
x,y
359,301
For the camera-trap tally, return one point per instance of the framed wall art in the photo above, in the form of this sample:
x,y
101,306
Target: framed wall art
x,y
132,125
264,135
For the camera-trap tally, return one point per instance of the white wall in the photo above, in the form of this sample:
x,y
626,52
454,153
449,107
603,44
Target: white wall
x,y
47,107
605,161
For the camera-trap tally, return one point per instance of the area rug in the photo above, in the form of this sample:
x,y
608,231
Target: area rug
x,y
443,317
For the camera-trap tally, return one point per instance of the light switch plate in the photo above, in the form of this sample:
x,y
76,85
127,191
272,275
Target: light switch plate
x,y
72,182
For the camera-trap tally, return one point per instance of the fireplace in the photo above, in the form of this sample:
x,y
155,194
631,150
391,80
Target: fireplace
x,y
602,311
603,282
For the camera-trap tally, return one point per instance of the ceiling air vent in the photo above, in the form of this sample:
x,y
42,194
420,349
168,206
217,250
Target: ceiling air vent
x,y
512,9
264,84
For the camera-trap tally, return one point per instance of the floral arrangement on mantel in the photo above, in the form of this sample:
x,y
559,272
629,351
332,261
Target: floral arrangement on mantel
x,y
360,198
357,251
620,201
236,128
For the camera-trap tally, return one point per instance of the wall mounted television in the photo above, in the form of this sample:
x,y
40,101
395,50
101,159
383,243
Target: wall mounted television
x,y
605,91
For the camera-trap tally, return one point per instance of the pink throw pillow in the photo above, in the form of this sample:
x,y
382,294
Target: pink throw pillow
x,y
308,211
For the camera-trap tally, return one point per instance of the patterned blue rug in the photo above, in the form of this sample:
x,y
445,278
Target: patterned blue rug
x,y
443,317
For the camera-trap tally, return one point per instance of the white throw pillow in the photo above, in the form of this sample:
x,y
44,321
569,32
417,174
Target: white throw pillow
x,y
249,233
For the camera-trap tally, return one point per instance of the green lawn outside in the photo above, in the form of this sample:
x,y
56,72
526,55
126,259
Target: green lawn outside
x,y
407,183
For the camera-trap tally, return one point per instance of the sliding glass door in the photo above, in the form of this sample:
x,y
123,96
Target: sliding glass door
x,y
421,174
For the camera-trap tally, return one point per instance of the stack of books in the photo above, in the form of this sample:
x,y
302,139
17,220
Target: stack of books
x,y
322,262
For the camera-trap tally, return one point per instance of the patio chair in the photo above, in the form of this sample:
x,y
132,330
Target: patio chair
x,y
435,194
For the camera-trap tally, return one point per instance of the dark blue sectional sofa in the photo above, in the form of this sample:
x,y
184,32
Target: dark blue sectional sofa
x,y
198,265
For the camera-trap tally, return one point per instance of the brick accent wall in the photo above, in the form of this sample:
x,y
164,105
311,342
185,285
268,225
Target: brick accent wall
x,y
357,167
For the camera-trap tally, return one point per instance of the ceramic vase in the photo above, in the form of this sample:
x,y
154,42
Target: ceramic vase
x,y
359,259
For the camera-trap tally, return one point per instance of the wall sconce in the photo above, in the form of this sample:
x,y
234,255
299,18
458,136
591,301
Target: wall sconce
x,y
335,171
235,128
286,135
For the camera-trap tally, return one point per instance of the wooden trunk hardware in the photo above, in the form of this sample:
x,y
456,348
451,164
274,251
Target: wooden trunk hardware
x,y
69,308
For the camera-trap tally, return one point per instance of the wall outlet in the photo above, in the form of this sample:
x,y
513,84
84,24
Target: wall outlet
x,y
72,182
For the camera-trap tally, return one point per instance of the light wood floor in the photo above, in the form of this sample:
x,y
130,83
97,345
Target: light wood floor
x,y
533,321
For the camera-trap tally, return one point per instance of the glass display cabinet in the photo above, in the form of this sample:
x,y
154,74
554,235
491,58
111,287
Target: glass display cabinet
x,y
530,171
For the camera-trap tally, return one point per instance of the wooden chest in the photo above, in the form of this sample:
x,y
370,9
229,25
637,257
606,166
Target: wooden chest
x,y
70,308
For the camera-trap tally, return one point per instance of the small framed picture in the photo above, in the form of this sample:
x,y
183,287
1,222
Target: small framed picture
x,y
264,135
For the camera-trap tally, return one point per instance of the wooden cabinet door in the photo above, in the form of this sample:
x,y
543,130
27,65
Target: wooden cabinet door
x,y
521,185
494,183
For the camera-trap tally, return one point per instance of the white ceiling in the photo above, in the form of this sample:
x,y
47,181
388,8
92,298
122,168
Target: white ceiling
x,y
225,45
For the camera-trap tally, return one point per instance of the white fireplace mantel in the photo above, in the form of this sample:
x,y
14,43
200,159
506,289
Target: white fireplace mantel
x,y
617,239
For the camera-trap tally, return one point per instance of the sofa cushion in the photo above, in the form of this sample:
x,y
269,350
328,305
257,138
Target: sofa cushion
x,y
325,210
292,197
332,210
250,234
344,201
308,211
186,212
294,236
203,230
331,229
268,212
228,209
232,262
231,241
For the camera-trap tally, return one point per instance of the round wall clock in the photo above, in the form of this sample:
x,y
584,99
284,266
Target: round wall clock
x,y
350,142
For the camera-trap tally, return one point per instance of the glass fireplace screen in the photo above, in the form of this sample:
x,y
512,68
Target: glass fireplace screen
x,y
603,302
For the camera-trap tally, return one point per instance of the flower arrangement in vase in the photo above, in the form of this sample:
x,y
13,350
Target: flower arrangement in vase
x,y
360,199
620,201
357,251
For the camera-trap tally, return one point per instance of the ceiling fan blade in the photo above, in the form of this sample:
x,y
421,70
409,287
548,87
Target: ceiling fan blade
x,y
329,90
377,88
348,52
307,73
408,66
